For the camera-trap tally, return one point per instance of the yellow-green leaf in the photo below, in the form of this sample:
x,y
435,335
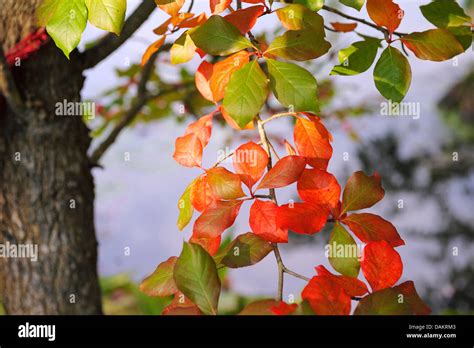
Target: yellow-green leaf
x,y
356,4
107,14
183,49
357,58
343,253
297,17
185,207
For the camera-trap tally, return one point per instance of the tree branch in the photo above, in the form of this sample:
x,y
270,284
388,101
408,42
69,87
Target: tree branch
x,y
8,86
111,42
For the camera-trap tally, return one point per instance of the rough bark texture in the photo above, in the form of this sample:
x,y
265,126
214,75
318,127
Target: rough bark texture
x,y
36,192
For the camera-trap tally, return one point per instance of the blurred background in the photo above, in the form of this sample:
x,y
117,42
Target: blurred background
x,y
426,164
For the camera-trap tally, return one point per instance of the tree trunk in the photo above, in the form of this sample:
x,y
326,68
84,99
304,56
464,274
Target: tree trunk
x,y
46,186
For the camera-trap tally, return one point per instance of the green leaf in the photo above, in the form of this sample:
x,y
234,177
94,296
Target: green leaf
x,y
343,252
185,207
361,191
392,75
196,276
463,34
435,44
161,282
314,5
183,49
357,58
357,4
297,17
107,14
299,45
245,250
293,86
66,24
445,13
46,10
246,93
218,37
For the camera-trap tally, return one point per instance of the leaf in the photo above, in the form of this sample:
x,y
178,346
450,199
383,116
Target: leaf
x,y
352,286
170,7
314,5
161,282
185,207
303,218
463,34
211,245
250,161
219,38
361,191
66,24
284,308
183,49
155,46
179,304
343,252
385,13
246,93
218,6
293,86
262,307
356,4
435,44
344,27
392,75
245,250
399,300
372,228
196,276
285,172
222,72
357,58
107,14
263,222
319,187
299,45
202,128
297,17
217,217
201,194
224,184
445,13
202,79
312,139
245,18
326,297
381,265
188,151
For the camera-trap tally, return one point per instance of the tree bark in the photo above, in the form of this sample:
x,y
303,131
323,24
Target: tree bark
x,y
46,186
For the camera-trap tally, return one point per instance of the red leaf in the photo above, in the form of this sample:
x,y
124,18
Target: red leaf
x,y
194,21
224,184
319,187
223,70
244,19
285,172
211,245
263,221
344,27
385,13
284,308
218,217
411,296
202,128
372,228
302,218
201,194
202,79
250,161
312,139
352,286
218,6
180,303
361,192
381,265
326,297
188,151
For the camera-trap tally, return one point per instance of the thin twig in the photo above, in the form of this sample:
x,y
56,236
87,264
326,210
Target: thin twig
x,y
275,116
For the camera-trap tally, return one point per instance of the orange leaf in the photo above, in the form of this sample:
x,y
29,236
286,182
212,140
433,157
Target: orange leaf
x,y
373,228
172,8
344,27
202,128
163,28
290,149
385,13
326,297
218,217
211,245
202,79
177,19
218,6
302,218
319,187
361,191
224,184
352,286
188,151
201,194
244,19
312,139
223,70
285,172
263,221
155,46
250,161
181,304
193,22
381,265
